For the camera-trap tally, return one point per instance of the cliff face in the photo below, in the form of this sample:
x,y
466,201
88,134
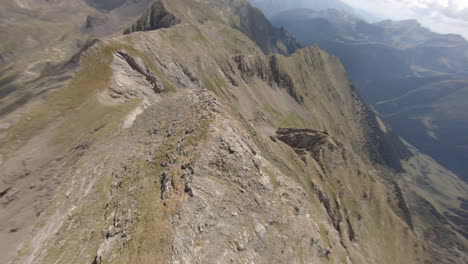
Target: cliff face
x,y
188,144
155,18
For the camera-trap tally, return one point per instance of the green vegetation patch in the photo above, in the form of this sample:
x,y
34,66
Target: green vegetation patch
x,y
289,119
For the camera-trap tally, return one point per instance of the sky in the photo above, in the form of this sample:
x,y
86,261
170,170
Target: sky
x,y
443,16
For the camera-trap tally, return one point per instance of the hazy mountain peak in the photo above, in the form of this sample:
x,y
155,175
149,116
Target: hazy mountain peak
x,y
272,7
331,14
402,24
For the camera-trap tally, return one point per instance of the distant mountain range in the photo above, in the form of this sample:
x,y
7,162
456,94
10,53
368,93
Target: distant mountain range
x,y
273,7
415,78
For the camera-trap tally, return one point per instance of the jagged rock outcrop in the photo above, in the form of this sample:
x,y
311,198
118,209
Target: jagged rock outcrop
x,y
256,26
155,18
131,80
138,66
266,69
308,141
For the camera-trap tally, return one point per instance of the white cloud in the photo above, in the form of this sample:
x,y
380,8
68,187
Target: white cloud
x,y
444,16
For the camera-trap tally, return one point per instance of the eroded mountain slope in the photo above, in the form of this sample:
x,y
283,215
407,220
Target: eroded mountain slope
x,y
165,147
415,78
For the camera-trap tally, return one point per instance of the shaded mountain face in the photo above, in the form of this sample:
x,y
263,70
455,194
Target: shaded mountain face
x,y
191,139
415,78
254,24
106,4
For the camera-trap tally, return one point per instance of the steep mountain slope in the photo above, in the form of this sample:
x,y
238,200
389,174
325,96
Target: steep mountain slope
x,y
39,36
57,28
415,78
190,144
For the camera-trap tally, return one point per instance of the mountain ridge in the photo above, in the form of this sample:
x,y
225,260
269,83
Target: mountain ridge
x,y
192,143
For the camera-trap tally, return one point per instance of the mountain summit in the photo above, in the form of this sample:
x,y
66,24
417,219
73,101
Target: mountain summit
x,y
206,135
